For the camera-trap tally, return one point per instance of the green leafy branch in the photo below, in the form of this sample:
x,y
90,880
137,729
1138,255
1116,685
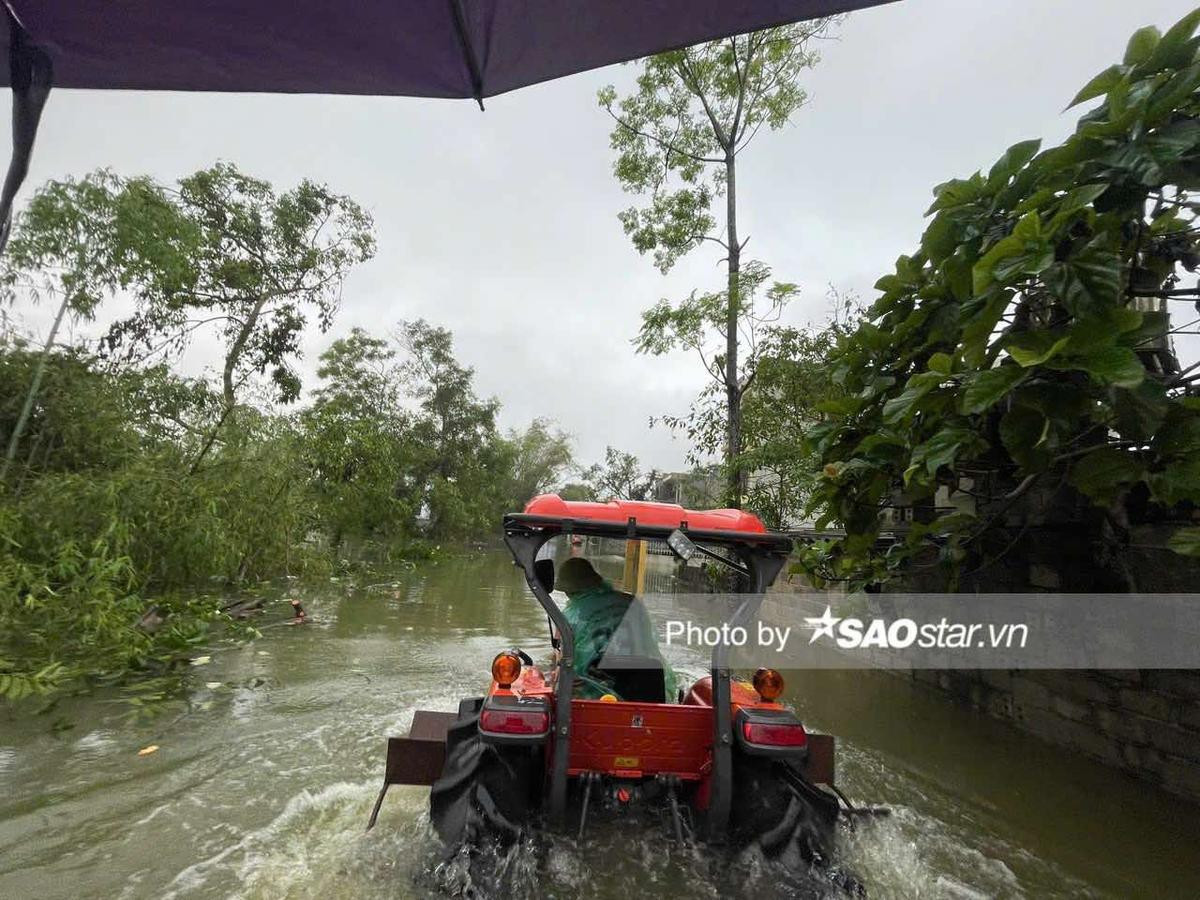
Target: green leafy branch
x,y
1028,338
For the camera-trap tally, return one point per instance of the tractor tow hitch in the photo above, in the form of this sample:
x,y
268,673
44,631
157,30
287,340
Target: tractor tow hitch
x,y
589,778
852,812
804,790
672,782
624,795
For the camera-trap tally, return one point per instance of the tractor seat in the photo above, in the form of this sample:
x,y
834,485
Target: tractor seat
x,y
639,679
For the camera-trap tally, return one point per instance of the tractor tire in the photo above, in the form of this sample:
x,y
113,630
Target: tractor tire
x,y
768,812
484,792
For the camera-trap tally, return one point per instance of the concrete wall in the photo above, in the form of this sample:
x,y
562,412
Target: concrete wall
x,y
1146,723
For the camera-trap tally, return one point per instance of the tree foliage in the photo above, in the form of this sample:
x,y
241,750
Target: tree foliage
x,y
791,383
400,445
101,528
459,466
541,456
104,526
697,324
577,491
219,249
694,110
357,442
620,477
1024,342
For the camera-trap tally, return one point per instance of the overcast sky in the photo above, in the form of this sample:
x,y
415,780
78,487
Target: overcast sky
x,y
502,226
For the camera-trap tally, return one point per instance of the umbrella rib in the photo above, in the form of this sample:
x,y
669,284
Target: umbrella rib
x,y
468,51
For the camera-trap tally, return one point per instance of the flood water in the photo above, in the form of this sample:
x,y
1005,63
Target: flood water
x,y
262,785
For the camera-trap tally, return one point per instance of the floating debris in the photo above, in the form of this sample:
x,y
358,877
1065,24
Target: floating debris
x,y
244,607
299,616
212,685
146,751
201,660
152,619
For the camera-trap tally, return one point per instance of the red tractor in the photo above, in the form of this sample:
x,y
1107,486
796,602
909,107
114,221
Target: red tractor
x,y
724,759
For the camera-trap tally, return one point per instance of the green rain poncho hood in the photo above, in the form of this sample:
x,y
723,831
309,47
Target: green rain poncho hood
x,y
603,620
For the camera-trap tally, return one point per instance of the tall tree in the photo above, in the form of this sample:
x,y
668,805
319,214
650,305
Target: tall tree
x,y
698,324
678,137
541,454
358,441
220,249
459,472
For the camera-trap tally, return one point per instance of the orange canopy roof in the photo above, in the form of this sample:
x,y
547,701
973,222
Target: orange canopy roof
x,y
666,515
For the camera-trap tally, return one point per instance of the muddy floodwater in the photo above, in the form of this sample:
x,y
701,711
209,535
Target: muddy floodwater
x,y
262,784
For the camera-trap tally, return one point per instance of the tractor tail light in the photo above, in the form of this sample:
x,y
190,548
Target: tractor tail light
x,y
526,719
774,734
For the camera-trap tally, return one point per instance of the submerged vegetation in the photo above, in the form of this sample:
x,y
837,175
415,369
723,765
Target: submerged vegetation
x,y
127,486
107,523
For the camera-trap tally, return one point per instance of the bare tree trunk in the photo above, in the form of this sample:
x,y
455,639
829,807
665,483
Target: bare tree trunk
x,y
34,446
35,385
235,351
209,441
231,361
735,481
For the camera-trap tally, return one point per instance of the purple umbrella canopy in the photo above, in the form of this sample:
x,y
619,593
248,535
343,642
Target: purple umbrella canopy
x,y
420,48
416,48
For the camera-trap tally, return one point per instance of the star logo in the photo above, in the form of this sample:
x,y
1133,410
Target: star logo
x,y
822,625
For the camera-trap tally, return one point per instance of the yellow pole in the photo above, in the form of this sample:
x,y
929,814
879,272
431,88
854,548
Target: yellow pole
x,y
634,579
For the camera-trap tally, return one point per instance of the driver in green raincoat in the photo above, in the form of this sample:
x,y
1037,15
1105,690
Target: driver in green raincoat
x,y
604,619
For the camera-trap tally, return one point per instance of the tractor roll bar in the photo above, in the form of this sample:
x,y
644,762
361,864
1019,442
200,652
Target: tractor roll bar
x,y
524,546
